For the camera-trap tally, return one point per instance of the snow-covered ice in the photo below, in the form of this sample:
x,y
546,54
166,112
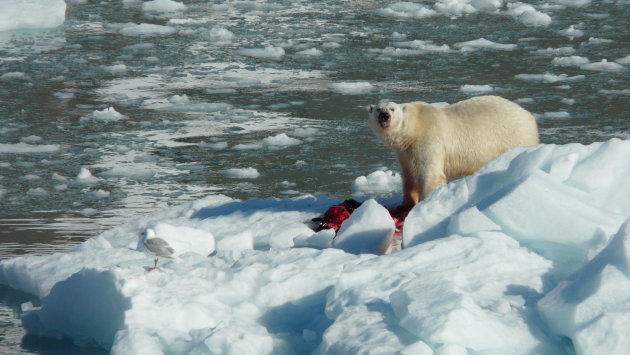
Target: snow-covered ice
x,y
31,14
532,248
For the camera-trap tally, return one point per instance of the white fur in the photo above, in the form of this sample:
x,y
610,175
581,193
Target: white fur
x,y
433,143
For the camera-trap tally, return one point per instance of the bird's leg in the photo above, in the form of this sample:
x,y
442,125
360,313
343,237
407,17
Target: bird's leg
x,y
154,264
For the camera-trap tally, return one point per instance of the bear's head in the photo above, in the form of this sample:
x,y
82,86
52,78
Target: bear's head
x,y
385,118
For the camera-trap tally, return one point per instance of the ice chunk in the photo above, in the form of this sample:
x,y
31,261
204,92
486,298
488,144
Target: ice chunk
x,y
312,52
528,15
476,88
549,77
106,115
483,43
116,69
406,9
163,6
280,141
80,320
30,14
85,177
377,182
320,240
571,221
15,76
241,173
603,66
593,301
25,148
268,52
352,88
571,32
572,61
369,229
219,35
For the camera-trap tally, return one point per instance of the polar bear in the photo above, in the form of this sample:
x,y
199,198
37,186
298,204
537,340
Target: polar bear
x,y
433,143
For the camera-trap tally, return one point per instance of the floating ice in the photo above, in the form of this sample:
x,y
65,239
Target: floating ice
x,y
476,88
269,52
421,47
25,148
406,9
163,6
573,3
555,51
603,66
15,76
528,15
624,60
378,182
352,88
572,61
241,173
482,43
571,32
280,141
312,52
30,14
116,69
33,139
219,35
86,177
106,115
548,77
554,114
489,266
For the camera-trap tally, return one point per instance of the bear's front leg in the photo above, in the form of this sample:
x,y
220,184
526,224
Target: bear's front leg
x,y
411,191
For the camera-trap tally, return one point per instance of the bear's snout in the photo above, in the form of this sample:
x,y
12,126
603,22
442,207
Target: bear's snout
x,y
384,118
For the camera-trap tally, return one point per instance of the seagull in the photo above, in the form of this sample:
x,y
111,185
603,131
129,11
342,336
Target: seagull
x,y
157,246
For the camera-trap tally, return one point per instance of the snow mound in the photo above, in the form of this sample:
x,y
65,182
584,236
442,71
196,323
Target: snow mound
x,y
530,250
31,14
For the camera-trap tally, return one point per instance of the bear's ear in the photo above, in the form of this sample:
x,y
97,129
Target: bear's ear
x,y
370,108
404,108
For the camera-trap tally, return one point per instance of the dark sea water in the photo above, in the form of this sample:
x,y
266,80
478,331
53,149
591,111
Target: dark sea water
x,y
196,102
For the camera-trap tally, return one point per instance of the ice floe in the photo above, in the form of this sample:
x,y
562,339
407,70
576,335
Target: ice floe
x,y
530,248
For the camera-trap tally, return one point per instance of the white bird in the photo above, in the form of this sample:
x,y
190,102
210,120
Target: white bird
x,y
169,241
157,246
